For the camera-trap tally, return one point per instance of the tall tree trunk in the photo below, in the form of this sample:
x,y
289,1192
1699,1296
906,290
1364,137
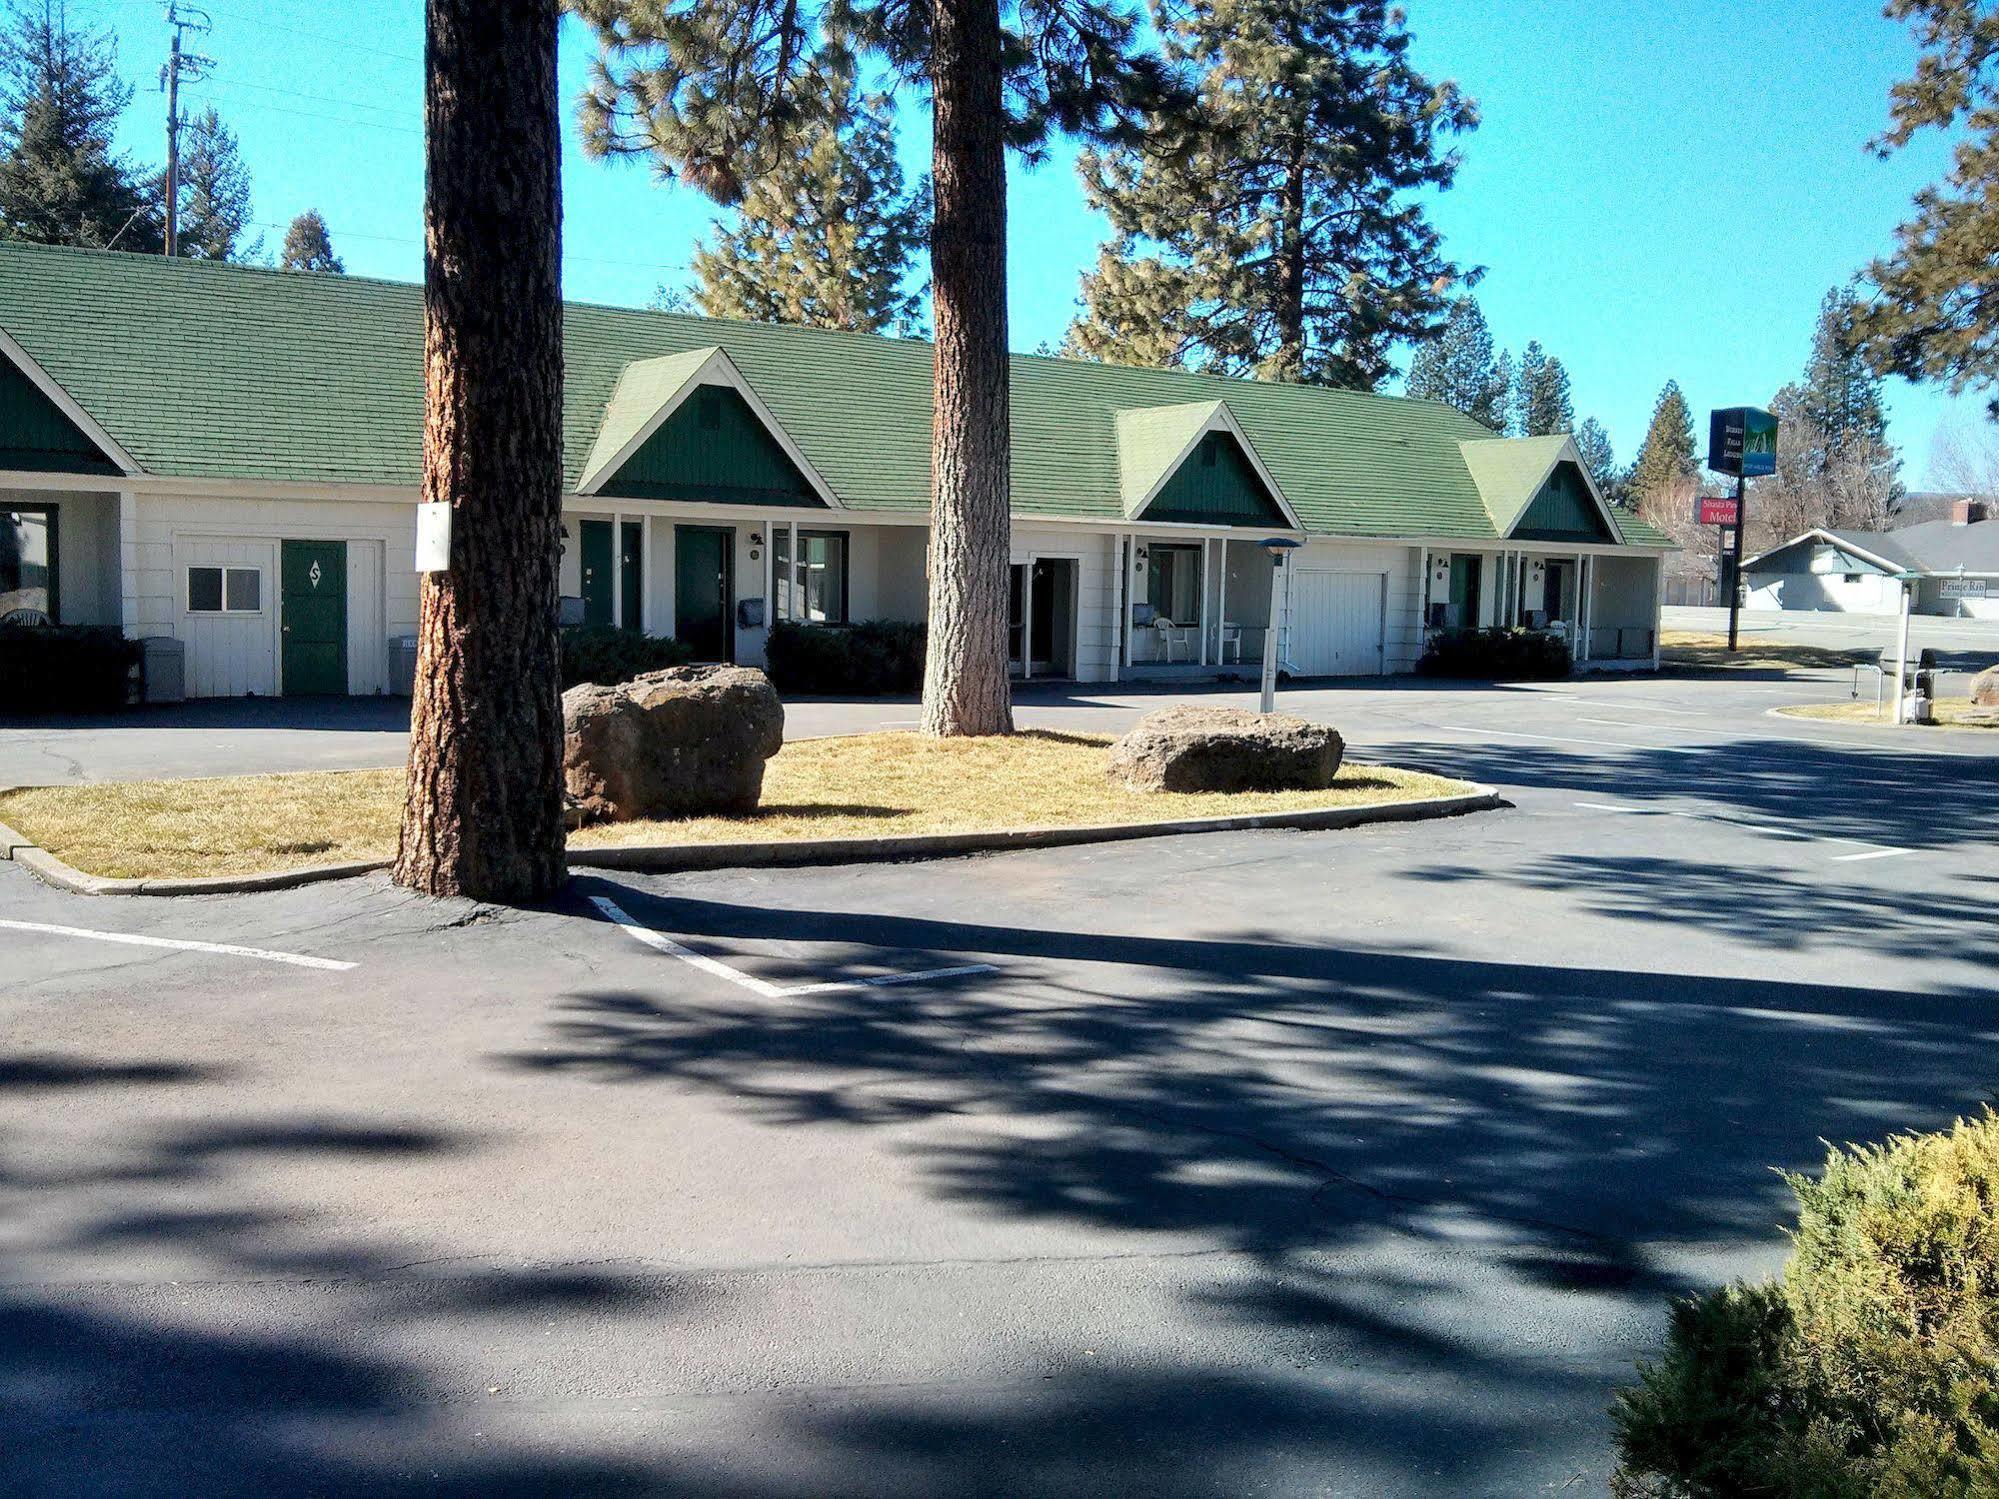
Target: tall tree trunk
x,y
1290,311
965,688
483,816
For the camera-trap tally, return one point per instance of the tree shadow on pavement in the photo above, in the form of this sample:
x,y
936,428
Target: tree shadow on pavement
x,y
1827,790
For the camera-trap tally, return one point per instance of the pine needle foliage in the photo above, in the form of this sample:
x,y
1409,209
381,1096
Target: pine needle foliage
x,y
1276,227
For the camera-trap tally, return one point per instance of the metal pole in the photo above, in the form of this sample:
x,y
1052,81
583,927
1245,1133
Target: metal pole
x,y
1735,564
1268,702
1902,659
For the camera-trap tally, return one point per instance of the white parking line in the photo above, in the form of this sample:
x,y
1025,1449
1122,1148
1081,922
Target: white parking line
x,y
224,949
663,943
1750,825
1659,749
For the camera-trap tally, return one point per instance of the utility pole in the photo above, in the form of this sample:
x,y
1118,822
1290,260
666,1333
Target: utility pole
x,y
179,64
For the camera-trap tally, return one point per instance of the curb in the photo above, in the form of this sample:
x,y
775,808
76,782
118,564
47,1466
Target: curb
x,y
1875,727
664,858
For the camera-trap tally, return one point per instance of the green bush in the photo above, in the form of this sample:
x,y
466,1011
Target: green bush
x,y
881,658
1870,1370
1496,656
607,654
65,668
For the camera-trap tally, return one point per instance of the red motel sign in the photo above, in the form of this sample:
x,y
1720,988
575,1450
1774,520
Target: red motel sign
x,y
1715,510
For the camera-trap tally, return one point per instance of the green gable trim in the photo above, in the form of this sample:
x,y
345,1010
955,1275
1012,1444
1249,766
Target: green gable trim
x,y
1216,485
713,448
36,436
1562,510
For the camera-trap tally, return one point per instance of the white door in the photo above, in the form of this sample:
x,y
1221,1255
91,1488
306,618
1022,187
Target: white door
x,y
226,610
1336,624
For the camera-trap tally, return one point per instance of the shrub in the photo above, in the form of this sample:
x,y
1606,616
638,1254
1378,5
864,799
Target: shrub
x,y
877,659
608,654
1870,1370
65,668
1496,656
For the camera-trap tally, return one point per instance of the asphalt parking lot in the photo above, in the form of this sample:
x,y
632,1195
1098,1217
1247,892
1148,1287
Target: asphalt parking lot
x,y
1350,1163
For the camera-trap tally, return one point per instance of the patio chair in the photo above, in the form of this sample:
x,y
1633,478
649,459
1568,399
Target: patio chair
x,y
1172,635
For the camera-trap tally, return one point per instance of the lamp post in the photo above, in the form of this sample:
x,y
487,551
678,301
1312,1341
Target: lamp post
x,y
1278,547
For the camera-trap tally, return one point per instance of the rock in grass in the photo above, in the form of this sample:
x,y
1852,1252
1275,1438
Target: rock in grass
x,y
690,741
1985,688
1226,749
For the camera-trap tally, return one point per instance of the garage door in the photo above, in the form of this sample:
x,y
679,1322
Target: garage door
x,y
1336,624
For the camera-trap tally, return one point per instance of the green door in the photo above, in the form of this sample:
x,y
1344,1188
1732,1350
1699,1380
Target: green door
x,y
631,548
314,618
1465,573
596,560
701,591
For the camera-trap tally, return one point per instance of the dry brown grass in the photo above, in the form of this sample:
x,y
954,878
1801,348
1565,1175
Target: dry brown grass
x,y
1703,648
870,785
1951,713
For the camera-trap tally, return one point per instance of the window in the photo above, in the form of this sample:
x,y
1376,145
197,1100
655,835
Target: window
x,y
1174,588
815,591
225,590
28,560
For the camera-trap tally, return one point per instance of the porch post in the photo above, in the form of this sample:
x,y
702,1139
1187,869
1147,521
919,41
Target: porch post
x,y
1026,619
791,589
128,564
1204,601
1222,606
648,606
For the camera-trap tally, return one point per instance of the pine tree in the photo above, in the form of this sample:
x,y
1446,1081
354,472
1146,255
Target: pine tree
x,y
483,813
1460,367
215,192
309,247
1526,380
1665,466
828,237
1599,458
1545,405
1935,311
1277,227
719,92
60,99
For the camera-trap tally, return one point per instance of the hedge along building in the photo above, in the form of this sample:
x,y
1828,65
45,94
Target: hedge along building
x,y
230,456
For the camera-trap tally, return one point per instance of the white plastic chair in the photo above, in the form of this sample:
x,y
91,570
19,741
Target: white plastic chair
x,y
1171,635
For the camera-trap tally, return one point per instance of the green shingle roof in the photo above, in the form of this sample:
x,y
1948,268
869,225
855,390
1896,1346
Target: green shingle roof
x,y
644,386
202,370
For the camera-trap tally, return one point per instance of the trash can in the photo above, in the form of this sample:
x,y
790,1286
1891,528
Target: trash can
x,y
402,665
163,669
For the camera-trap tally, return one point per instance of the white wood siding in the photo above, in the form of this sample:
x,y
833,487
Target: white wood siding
x,y
1096,588
168,534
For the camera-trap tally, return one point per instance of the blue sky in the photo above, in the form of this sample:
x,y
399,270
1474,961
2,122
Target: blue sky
x,y
1660,188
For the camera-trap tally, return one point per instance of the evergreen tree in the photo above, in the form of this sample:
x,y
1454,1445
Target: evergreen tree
x,y
1526,380
828,237
1935,312
1545,404
1460,367
1276,228
720,92
60,98
1599,458
1841,396
1665,466
214,192
309,247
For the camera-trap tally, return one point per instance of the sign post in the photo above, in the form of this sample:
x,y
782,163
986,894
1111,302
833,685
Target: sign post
x,y
1742,441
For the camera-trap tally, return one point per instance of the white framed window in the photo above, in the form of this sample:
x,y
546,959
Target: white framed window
x,y
225,590
814,590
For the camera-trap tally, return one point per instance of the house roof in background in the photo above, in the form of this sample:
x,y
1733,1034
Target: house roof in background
x,y
1935,547
199,369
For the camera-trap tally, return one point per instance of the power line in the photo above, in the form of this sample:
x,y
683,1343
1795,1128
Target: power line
x,y
311,114
292,93
192,67
315,36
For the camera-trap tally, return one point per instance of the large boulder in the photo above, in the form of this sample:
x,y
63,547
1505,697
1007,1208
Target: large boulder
x,y
689,741
1226,749
1985,688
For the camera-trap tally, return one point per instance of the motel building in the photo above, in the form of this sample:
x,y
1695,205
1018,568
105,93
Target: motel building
x,y
230,457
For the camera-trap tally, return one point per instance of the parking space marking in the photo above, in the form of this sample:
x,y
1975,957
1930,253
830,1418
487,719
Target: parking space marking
x,y
660,942
180,944
1750,825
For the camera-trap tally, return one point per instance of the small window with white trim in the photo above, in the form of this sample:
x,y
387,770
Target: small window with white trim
x,y
225,590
